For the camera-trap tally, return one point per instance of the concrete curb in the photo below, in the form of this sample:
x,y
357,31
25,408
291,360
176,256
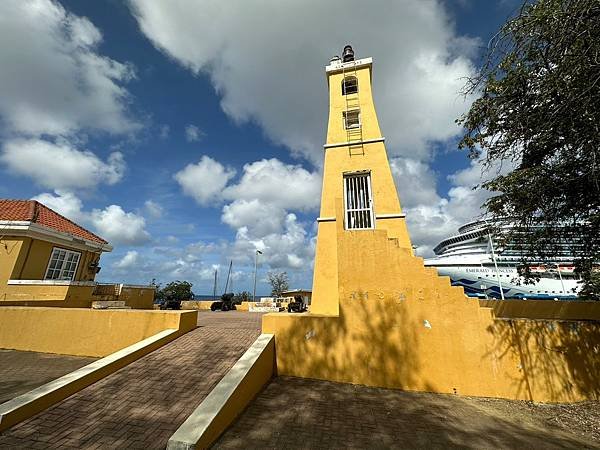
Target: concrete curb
x,y
229,398
38,399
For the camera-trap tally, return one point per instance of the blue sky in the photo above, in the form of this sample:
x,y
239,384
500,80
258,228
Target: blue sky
x,y
189,133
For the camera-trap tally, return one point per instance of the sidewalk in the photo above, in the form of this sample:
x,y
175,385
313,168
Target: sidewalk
x,y
21,372
296,413
141,405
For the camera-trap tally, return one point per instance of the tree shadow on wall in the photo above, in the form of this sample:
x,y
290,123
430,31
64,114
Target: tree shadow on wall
x,y
559,360
372,342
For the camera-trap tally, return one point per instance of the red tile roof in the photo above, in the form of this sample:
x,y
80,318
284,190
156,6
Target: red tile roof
x,y
36,212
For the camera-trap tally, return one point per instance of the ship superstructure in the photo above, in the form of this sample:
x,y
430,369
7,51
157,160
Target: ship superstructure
x,y
473,260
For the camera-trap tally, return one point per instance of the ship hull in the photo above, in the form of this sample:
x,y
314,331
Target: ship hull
x,y
484,282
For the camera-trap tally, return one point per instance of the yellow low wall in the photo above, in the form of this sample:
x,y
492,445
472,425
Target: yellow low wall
x,y
46,295
137,297
84,332
384,343
197,305
204,305
72,296
544,309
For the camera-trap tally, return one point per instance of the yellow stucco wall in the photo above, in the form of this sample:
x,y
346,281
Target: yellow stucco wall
x,y
49,295
10,256
23,258
84,332
33,261
200,305
402,326
204,305
137,297
544,309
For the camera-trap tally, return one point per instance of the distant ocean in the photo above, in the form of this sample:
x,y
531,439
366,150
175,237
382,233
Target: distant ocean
x,y
205,297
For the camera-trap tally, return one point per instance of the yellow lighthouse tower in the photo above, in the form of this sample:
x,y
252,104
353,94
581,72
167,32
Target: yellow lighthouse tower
x,y
358,194
379,317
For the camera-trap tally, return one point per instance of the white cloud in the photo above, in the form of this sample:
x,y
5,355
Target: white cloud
x,y
59,165
419,63
259,217
128,261
278,184
119,227
153,209
53,81
193,133
63,202
164,131
415,182
292,248
111,223
434,218
258,205
204,181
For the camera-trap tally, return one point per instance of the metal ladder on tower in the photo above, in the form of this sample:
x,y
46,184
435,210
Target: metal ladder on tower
x,y
354,135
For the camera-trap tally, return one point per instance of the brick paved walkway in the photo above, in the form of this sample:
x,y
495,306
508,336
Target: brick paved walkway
x,y
21,372
293,413
141,405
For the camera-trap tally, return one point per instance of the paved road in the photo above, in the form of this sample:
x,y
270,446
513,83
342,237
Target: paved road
x,y
21,372
141,405
293,413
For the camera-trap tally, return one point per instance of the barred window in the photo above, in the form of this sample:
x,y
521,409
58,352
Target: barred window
x,y
358,202
352,119
349,85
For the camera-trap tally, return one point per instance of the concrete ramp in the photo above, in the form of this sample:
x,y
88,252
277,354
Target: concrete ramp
x,y
144,403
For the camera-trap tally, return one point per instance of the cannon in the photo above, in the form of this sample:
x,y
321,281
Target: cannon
x,y
297,305
225,304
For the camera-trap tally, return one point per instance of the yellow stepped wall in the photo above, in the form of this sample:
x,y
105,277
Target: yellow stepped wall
x,y
379,317
402,326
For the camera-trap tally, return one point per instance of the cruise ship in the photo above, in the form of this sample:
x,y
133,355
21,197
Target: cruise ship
x,y
471,260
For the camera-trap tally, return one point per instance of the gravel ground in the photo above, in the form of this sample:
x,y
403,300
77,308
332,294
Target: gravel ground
x,y
581,419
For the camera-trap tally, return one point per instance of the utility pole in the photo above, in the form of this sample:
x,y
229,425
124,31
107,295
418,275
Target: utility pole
x,y
258,252
496,266
560,278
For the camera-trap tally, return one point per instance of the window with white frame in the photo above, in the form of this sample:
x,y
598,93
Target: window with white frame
x,y
358,202
352,119
63,264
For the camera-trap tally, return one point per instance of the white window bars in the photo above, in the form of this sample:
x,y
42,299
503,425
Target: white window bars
x,y
358,202
63,264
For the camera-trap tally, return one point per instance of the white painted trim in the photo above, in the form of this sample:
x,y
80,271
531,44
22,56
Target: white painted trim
x,y
37,231
325,219
191,431
338,66
61,388
137,286
345,144
391,216
51,283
